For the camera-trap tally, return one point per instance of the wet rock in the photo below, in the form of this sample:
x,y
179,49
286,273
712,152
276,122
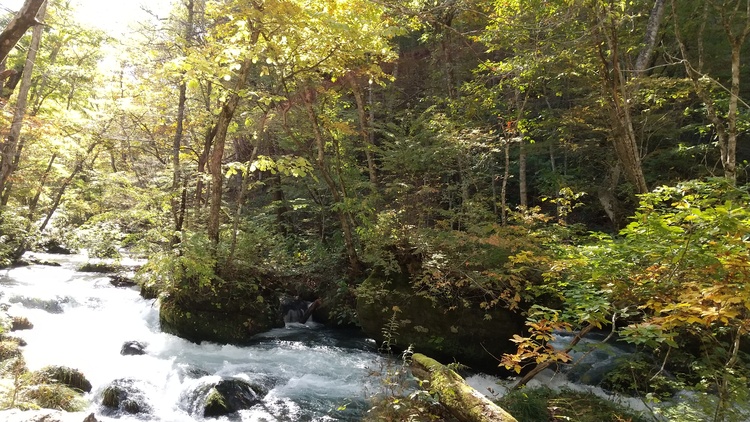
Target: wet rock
x,y
229,396
55,247
121,280
133,348
463,334
45,263
99,267
53,306
123,395
20,323
70,377
90,418
234,324
17,340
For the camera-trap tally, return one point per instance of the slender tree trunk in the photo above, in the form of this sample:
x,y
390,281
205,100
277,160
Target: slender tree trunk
x,y
178,206
351,250
725,127
523,187
64,186
217,154
504,186
365,131
202,162
623,134
10,146
35,200
649,40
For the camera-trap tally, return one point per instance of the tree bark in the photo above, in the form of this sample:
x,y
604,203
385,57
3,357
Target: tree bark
x,y
365,131
523,187
464,402
179,205
10,146
623,135
726,127
217,154
649,40
61,190
351,251
21,22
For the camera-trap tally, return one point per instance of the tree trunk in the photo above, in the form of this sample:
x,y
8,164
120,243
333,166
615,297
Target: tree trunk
x,y
35,200
178,206
504,186
649,40
523,187
217,154
464,402
61,190
365,132
726,127
27,17
351,251
9,148
623,134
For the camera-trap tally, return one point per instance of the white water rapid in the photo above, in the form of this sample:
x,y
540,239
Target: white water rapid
x,y
81,321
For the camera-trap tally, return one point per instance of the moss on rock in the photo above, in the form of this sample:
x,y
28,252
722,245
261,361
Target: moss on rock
x,y
69,377
8,350
215,405
20,323
200,322
471,336
55,396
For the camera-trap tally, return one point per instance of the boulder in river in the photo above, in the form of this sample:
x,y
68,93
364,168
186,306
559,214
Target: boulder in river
x,y
123,395
70,377
133,348
202,320
468,335
99,267
122,280
229,396
20,323
53,306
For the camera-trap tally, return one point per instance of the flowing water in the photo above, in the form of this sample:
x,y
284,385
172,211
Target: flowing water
x,y
81,321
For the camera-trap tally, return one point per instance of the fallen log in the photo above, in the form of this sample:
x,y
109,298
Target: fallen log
x,y
464,402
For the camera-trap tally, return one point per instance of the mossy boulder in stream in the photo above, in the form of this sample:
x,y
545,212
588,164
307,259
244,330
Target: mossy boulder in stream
x,y
64,375
468,335
202,321
229,396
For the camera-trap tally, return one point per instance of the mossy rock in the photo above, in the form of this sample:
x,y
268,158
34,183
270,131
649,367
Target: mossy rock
x,y
123,396
20,323
69,377
465,335
9,349
100,267
215,405
55,396
229,396
200,324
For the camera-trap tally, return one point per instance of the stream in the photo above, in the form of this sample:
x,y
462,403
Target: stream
x,y
82,321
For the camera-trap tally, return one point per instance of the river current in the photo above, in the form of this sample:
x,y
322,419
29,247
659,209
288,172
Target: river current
x,y
81,321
